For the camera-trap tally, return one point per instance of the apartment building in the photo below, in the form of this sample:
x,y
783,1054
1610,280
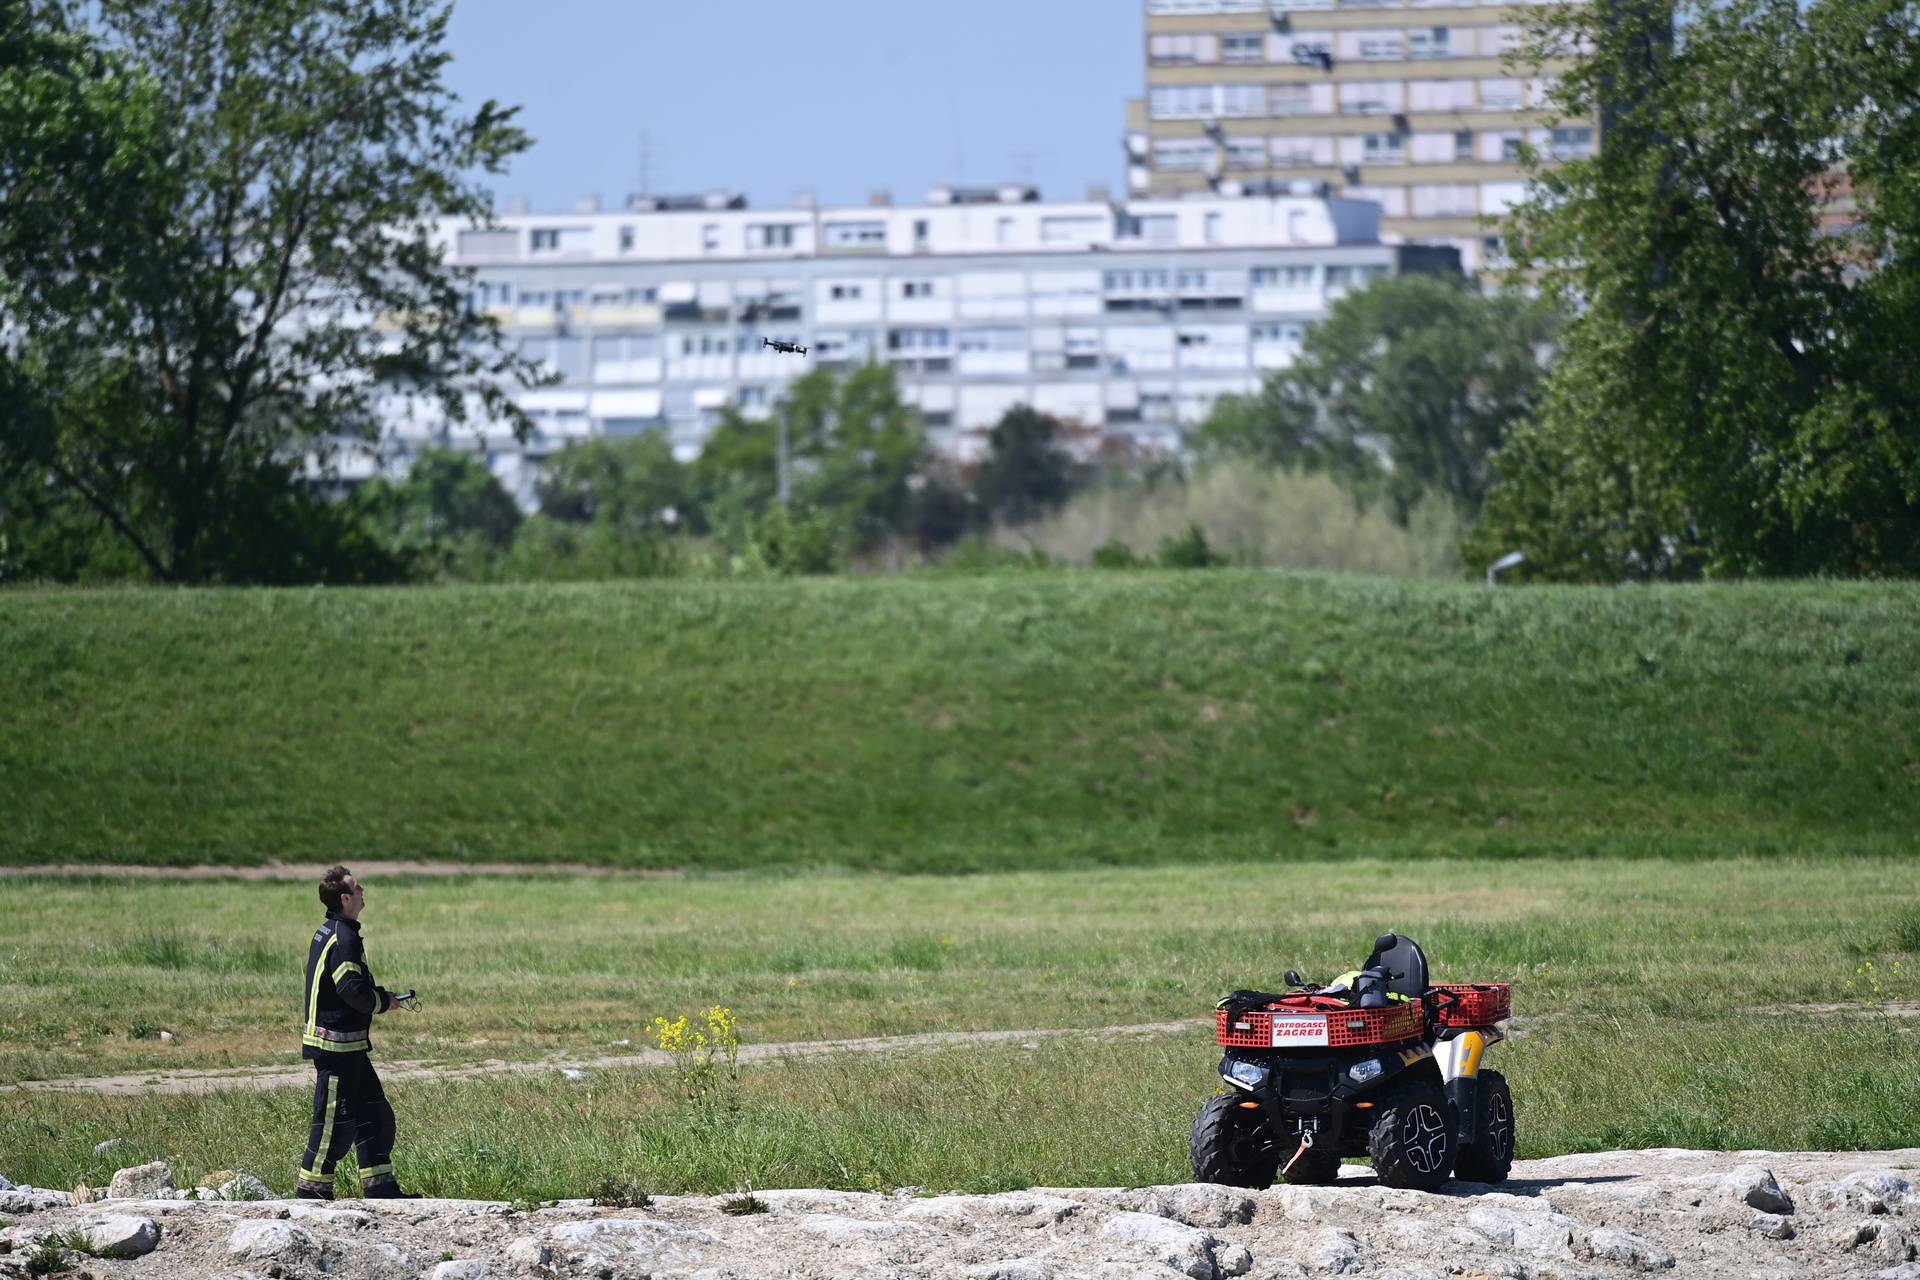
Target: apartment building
x,y
1406,102
1126,317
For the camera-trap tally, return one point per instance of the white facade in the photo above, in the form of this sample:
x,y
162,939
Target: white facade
x,y
1128,317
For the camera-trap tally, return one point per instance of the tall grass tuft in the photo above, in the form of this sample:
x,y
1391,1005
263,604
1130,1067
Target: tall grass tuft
x,y
1258,516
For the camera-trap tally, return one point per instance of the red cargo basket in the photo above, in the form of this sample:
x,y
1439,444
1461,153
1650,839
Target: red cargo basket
x,y
1480,1004
1345,1027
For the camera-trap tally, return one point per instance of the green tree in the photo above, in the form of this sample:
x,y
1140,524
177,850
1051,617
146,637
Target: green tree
x,y
1026,474
632,484
219,249
448,500
853,449
1739,392
1406,388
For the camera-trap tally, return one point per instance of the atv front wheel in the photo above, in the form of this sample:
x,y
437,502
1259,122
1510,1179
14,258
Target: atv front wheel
x,y
1233,1145
1411,1145
1491,1155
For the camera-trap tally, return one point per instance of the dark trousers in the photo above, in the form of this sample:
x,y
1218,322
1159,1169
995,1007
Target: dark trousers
x,y
349,1109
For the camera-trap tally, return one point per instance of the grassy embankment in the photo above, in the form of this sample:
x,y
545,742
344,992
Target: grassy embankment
x,y
958,724
1648,992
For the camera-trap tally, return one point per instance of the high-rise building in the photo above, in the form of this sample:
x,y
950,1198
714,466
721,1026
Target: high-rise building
x,y
1407,102
1126,318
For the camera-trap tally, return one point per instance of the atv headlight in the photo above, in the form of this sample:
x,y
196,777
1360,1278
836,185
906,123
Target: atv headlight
x,y
1246,1075
1361,1072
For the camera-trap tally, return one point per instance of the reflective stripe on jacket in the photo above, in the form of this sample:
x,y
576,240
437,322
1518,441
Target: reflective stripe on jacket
x,y
340,997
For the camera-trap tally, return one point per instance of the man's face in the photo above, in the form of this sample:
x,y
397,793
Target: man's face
x,y
355,899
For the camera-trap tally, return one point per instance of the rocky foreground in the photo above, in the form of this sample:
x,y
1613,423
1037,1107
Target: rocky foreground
x,y
1685,1213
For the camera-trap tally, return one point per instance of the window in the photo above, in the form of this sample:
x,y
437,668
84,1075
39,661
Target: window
x,y
710,237
626,239
1180,101
1383,148
1214,224
637,296
535,298
916,340
1072,230
1290,99
1003,231
1241,48
1246,153
1500,95
1429,42
845,235
916,288
1369,96
770,235
1181,153
921,229
845,292
1242,100
1463,144
1386,46
1283,277
1510,146
1181,49
1446,200
1009,339
1439,95
1300,151
545,239
1288,332
1352,277
1571,144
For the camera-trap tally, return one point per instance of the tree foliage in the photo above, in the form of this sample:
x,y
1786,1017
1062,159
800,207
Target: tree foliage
x,y
630,484
447,499
1026,474
1738,393
216,247
853,449
1406,388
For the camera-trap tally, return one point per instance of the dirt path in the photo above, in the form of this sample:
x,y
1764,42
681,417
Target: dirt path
x,y
209,1080
277,870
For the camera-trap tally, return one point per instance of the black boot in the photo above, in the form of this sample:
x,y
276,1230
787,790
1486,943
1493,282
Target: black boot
x,y
304,1190
386,1188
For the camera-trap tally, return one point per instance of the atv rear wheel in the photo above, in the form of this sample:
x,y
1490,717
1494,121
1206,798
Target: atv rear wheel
x,y
1491,1155
1233,1145
1410,1141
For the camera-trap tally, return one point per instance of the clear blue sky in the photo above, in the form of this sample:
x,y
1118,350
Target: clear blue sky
x,y
834,96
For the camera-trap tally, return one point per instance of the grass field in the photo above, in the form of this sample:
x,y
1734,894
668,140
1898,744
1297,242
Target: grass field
x,y
959,724
1648,993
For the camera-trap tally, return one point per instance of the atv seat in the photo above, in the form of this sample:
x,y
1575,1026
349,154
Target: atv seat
x,y
1403,963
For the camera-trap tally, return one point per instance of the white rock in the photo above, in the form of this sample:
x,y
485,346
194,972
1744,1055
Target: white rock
x,y
1754,1185
272,1241
1774,1226
142,1181
244,1186
834,1226
1524,1223
33,1200
343,1219
1013,1208
528,1252
1233,1259
4,1184
122,1235
1188,1250
382,1259
1334,1251
166,1037
637,1244
460,1269
1876,1191
1623,1246
111,1144
573,1073
1012,1269
1200,1204
1905,1271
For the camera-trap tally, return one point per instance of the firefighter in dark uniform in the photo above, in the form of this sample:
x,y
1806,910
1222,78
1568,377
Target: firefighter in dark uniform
x,y
340,999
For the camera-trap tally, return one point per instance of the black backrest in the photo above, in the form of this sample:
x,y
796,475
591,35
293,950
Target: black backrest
x,y
1405,963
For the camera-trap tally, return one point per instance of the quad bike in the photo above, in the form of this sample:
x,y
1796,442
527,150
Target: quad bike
x,y
1378,1064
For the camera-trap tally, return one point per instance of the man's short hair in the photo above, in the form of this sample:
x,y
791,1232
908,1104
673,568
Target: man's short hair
x,y
335,885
